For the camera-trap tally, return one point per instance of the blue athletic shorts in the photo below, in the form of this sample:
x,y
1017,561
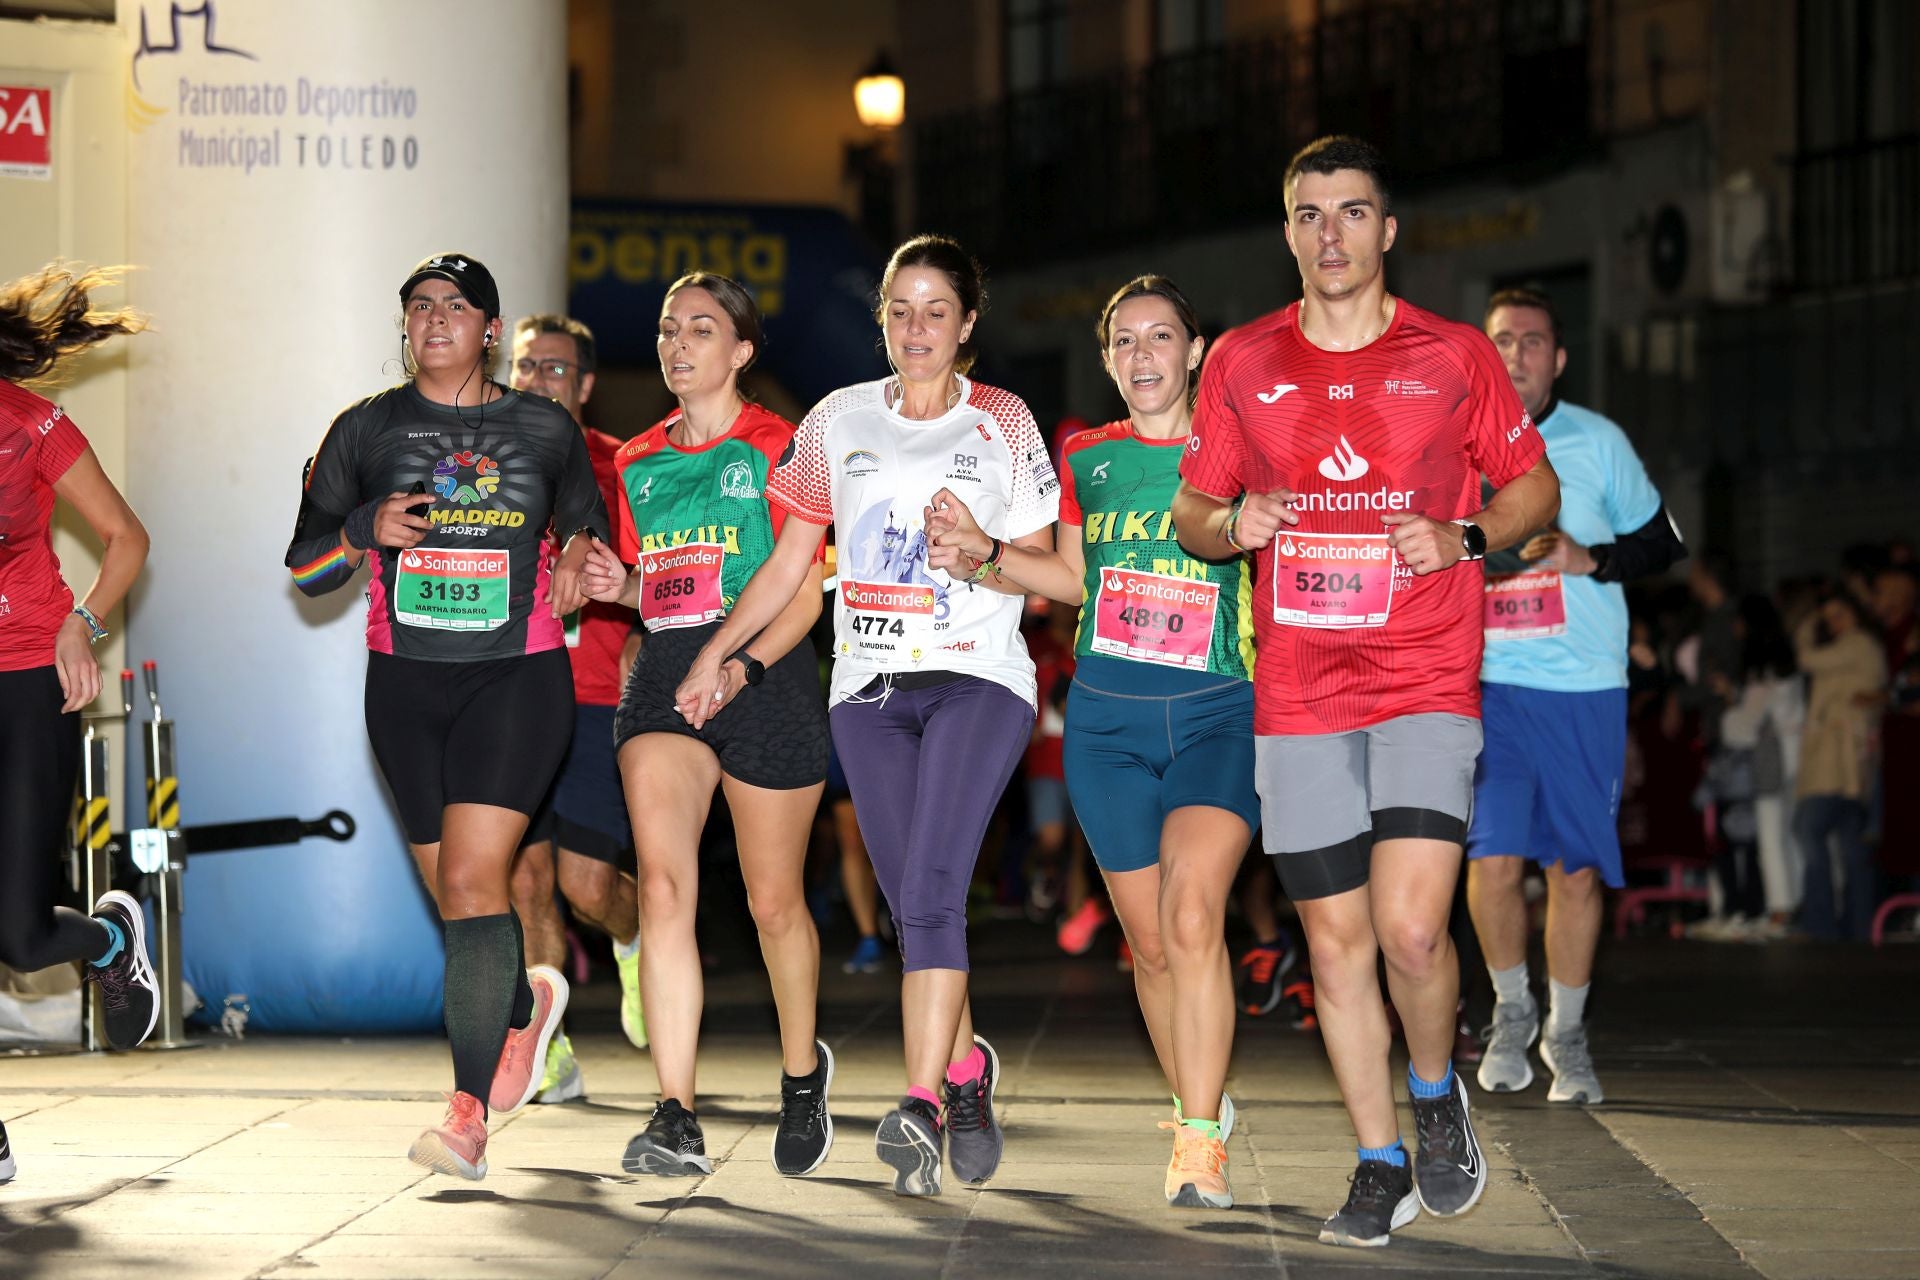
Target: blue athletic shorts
x,y
1548,783
1132,759
589,804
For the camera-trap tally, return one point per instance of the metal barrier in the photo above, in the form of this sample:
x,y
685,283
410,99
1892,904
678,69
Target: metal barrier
x,y
157,852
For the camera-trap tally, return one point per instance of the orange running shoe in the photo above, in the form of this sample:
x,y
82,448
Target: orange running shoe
x,y
1197,1174
459,1145
523,1058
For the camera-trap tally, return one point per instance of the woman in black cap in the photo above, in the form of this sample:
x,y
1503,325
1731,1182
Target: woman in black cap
x,y
473,506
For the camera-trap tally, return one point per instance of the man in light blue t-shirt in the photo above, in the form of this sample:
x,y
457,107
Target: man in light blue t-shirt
x,y
1554,711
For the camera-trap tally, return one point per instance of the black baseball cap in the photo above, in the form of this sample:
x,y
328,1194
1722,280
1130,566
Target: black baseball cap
x,y
467,274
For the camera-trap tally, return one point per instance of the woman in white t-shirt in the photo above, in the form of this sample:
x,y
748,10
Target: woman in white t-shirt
x,y
931,679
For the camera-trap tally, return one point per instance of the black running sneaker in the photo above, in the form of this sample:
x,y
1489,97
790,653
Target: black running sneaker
x,y
671,1145
7,1169
1262,970
1450,1170
128,990
909,1139
974,1138
805,1134
1381,1199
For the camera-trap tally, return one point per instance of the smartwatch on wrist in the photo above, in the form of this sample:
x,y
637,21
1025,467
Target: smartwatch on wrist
x,y
755,671
1475,538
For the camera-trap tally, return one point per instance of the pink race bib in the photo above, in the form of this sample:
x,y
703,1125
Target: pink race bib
x,y
680,586
1152,617
1332,579
1524,606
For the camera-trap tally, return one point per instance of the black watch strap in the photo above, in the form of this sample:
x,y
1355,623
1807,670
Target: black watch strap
x,y
750,665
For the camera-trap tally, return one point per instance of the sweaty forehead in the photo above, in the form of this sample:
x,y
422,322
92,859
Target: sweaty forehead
x,y
923,284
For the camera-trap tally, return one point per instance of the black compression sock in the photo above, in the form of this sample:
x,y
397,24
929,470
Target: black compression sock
x,y
482,964
522,989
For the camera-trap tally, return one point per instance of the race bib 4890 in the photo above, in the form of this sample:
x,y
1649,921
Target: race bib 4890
x,y
1152,617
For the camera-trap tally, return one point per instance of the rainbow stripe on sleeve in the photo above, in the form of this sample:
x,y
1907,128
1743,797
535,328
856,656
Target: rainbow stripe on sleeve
x,y
318,569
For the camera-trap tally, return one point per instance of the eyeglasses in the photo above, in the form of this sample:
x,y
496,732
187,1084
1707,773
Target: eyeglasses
x,y
525,367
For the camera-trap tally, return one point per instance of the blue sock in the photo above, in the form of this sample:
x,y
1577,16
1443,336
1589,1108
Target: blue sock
x,y
1426,1090
115,947
1395,1155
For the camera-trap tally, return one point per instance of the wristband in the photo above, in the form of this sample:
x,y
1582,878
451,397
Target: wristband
x,y
992,562
95,632
359,524
1233,521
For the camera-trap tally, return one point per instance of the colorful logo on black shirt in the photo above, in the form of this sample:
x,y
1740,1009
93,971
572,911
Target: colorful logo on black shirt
x,y
449,477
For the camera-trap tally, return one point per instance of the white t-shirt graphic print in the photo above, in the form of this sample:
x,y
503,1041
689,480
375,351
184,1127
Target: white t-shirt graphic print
x,y
860,465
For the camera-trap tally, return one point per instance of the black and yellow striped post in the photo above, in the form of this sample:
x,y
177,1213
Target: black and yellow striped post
x,y
92,829
163,815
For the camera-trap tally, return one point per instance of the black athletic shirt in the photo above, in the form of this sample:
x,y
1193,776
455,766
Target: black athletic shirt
x,y
502,479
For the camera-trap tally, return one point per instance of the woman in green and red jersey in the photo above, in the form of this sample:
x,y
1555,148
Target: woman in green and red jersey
x,y
695,523
1159,724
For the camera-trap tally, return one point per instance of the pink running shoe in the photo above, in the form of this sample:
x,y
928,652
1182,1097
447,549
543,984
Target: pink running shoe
x,y
459,1145
523,1059
1077,931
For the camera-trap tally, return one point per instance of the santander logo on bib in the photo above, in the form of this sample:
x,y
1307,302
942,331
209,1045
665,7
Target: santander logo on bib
x,y
1343,463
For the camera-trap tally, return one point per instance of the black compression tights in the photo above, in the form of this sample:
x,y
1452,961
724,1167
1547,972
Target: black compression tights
x,y
39,760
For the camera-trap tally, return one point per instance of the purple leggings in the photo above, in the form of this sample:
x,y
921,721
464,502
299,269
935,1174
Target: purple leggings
x,y
926,768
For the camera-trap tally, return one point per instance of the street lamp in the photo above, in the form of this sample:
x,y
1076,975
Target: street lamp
x,y
880,100
880,95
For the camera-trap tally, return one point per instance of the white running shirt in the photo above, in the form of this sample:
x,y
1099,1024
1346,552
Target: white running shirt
x,y
859,465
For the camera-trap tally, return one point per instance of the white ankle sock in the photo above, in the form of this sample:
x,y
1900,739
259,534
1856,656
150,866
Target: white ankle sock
x,y
1510,985
1567,1007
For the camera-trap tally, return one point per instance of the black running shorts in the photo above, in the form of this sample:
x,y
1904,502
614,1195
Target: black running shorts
x,y
771,735
490,732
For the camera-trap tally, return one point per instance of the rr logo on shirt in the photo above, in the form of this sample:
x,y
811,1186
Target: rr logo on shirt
x,y
1340,393
966,461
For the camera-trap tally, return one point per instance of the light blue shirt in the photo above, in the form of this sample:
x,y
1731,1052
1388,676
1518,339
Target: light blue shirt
x,y
1604,492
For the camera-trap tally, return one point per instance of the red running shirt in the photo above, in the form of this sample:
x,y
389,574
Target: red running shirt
x,y
38,442
1408,422
594,646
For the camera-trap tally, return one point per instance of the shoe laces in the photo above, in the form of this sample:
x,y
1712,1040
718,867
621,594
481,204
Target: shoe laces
x,y
1438,1120
1261,962
798,1109
114,980
1194,1151
966,1105
463,1110
1508,1022
1372,1185
1571,1055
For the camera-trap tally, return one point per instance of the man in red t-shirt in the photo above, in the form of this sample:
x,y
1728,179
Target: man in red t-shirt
x,y
586,812
1341,441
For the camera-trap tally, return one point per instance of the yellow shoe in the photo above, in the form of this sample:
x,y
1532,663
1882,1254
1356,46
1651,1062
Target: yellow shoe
x,y
1197,1174
631,1020
562,1081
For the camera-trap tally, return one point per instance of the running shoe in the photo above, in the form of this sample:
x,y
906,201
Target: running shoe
x,y
1572,1066
459,1145
671,1146
128,990
1298,999
805,1134
1043,895
1381,1200
1449,1171
627,957
1123,957
974,1136
1504,1067
7,1168
1077,931
1197,1174
909,1139
562,1081
1262,969
865,958
523,1057
1227,1115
